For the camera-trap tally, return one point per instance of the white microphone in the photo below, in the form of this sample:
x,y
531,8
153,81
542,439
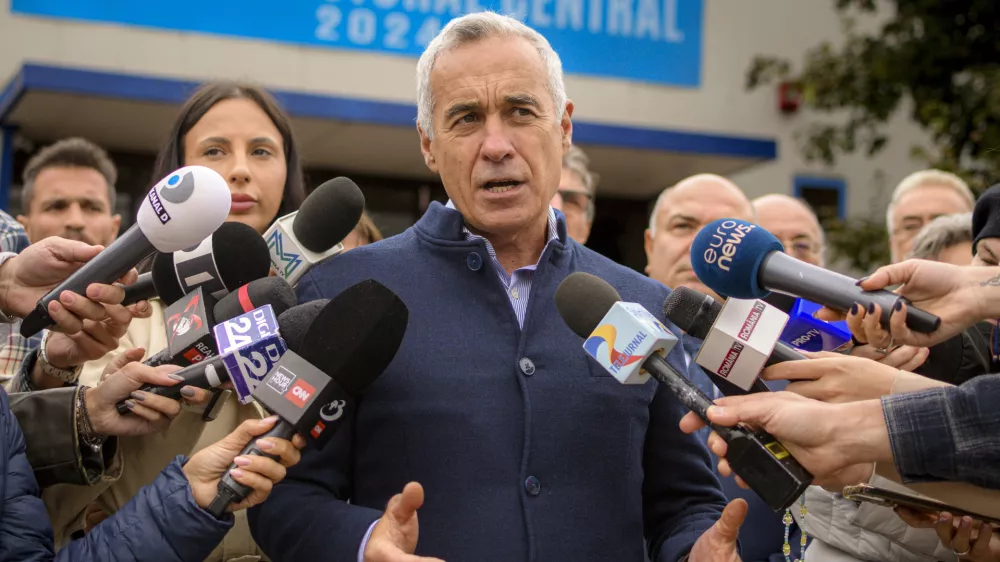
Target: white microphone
x,y
178,212
300,240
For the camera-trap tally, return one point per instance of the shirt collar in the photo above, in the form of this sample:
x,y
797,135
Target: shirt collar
x,y
553,230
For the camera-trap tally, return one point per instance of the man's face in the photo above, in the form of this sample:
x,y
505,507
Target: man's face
x,y
917,208
498,137
575,200
71,202
794,226
686,209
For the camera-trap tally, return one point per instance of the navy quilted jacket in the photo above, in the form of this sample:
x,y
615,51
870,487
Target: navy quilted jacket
x,y
162,523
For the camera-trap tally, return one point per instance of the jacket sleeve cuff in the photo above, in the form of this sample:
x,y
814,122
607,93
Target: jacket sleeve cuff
x,y
919,433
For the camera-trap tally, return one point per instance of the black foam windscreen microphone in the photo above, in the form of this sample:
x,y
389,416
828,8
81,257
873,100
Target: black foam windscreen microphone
x,y
179,211
274,291
757,457
231,257
143,289
695,313
300,240
350,343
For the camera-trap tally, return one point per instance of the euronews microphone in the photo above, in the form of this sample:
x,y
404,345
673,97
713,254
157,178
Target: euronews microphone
x,y
300,240
231,257
592,309
269,290
697,313
739,259
177,213
347,347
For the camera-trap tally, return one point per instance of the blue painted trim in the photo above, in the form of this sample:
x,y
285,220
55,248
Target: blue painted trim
x,y
835,184
6,164
33,77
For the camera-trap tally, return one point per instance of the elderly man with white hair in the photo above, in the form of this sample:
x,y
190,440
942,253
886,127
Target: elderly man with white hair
x,y
920,198
491,419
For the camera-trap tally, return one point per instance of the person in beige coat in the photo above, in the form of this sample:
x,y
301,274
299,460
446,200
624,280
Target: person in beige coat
x,y
239,131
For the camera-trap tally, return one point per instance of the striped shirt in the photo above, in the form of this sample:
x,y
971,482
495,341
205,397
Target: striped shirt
x,y
13,346
517,284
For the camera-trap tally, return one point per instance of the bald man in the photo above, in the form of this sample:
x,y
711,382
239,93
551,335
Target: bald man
x,y
794,223
678,215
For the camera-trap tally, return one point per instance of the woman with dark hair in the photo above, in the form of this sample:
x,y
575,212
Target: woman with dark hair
x,y
239,131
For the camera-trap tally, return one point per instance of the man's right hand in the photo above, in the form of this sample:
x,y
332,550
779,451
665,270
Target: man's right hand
x,y
395,535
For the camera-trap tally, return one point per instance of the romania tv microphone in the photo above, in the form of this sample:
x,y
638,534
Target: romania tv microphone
x,y
178,212
347,347
197,321
631,344
698,314
742,260
248,346
300,240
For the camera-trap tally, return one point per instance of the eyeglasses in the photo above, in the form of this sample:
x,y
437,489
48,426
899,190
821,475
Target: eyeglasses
x,y
801,249
575,200
909,229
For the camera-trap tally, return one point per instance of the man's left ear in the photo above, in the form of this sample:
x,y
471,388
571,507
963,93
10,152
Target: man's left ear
x,y
567,127
116,222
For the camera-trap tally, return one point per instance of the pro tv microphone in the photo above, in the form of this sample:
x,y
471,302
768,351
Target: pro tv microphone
x,y
742,260
231,257
177,213
348,346
300,240
625,338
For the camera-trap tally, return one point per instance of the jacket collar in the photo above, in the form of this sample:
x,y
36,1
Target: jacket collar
x,y
445,225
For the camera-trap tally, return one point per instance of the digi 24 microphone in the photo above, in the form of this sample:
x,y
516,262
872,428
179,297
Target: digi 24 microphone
x,y
231,257
592,309
739,259
347,347
177,213
300,240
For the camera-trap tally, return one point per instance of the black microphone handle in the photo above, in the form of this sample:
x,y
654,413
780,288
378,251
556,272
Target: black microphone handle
x,y
231,491
690,395
209,373
161,357
142,290
784,274
122,255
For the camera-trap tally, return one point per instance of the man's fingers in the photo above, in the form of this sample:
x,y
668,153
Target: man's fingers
x,y
717,445
129,278
72,251
962,539
981,548
727,528
82,307
66,321
918,358
106,294
944,528
141,309
916,519
402,507
102,335
691,423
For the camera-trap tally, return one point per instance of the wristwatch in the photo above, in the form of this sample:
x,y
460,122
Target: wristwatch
x,y
68,376
4,317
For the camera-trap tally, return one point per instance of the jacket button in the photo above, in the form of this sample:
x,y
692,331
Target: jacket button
x,y
532,486
474,261
527,366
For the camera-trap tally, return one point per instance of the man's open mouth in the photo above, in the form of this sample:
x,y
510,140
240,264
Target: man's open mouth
x,y
500,186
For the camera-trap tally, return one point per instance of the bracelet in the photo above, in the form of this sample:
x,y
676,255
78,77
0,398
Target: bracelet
x,y
67,376
84,429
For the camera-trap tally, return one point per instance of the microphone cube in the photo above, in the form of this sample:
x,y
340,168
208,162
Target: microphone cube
x,y
188,323
741,340
808,333
289,259
299,393
625,337
250,346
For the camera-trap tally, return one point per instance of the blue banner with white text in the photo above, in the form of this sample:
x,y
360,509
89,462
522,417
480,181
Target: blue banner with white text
x,y
645,40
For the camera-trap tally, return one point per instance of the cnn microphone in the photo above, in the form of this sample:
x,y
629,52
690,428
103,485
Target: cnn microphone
x,y
739,259
696,313
348,346
631,344
177,213
231,257
142,290
300,240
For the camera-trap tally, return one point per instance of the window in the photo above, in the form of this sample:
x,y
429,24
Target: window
x,y
827,196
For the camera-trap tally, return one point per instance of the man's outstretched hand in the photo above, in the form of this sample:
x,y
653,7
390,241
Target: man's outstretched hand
x,y
394,538
718,544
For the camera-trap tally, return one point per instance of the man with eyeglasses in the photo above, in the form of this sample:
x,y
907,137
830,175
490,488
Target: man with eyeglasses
x,y
794,223
575,197
920,198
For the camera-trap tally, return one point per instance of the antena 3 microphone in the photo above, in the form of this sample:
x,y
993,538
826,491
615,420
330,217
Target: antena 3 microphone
x,y
177,213
347,347
742,260
618,342
302,239
231,257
